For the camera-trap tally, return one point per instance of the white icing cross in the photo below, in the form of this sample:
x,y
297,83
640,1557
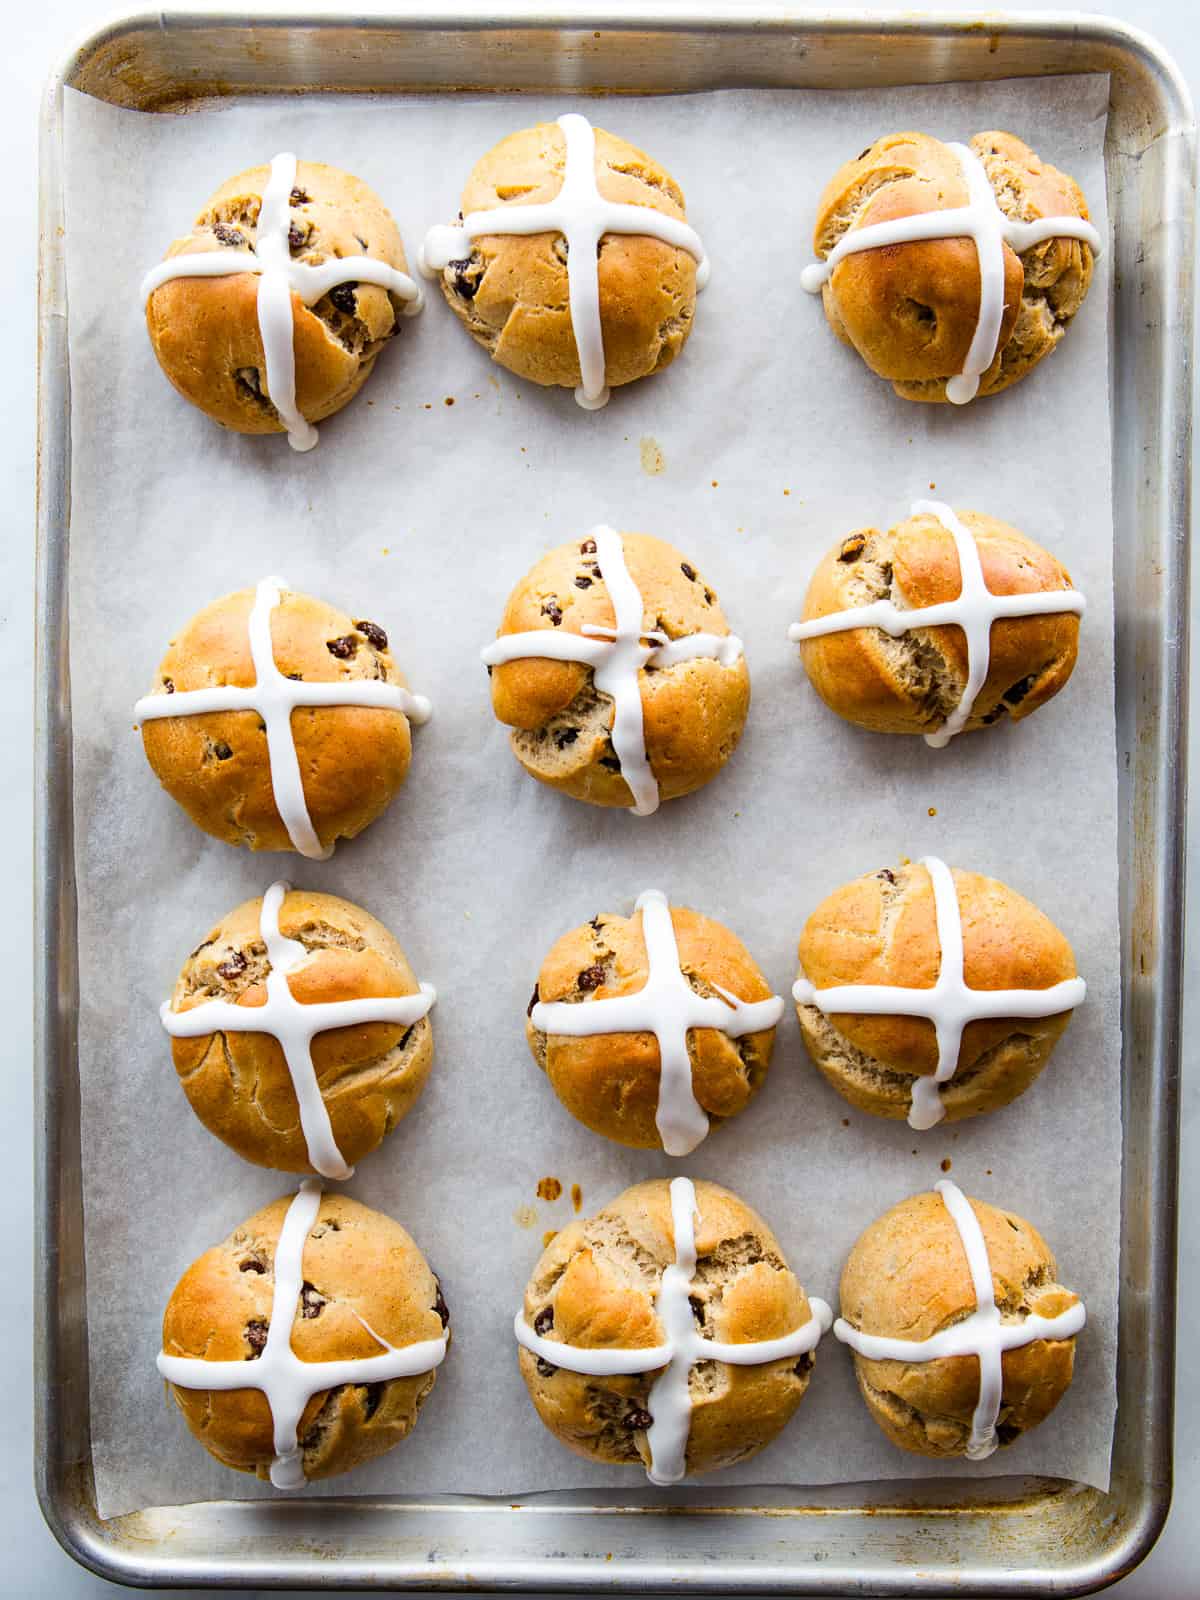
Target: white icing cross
x,y
950,1005
581,214
669,1401
982,221
617,656
294,1025
274,697
974,611
280,277
288,1382
983,1334
668,1007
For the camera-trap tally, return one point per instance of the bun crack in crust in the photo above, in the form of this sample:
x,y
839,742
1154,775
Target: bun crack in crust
x,y
888,956
915,309
938,1273
688,1280
654,1028
1006,645
619,675
605,293
254,1070
270,313
279,723
307,1341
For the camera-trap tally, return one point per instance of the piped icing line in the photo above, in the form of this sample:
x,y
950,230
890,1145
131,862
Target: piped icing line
x,y
950,1005
274,696
581,214
669,1400
287,1382
281,276
974,611
616,657
983,1334
294,1025
668,1007
981,221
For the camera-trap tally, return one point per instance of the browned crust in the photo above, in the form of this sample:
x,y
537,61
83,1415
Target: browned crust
x,y
911,310
693,712
361,1264
370,1075
610,1082
907,1278
600,1277
205,331
882,929
909,684
353,758
511,293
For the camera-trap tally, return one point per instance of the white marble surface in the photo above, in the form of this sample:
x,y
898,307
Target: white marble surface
x,y
33,1563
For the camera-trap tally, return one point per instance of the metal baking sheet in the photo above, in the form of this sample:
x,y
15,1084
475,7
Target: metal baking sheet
x,y
1058,1533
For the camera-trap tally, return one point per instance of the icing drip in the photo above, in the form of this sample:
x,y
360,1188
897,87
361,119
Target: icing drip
x,y
294,1026
280,277
983,1334
287,1382
974,611
950,1005
274,697
583,217
616,657
668,1007
982,221
669,1401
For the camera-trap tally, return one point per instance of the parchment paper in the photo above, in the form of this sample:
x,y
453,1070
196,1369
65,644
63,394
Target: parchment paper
x,y
771,441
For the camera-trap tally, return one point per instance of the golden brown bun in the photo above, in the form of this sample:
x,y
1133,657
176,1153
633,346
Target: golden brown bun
x,y
907,1278
205,330
610,1081
911,310
370,1075
882,929
693,712
511,293
598,1280
912,683
357,1264
353,758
